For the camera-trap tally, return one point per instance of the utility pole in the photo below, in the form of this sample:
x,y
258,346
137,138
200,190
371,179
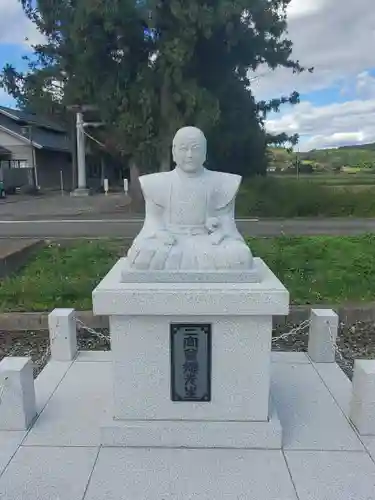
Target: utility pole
x,y
81,156
82,189
297,163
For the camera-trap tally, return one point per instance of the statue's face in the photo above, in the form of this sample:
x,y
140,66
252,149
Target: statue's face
x,y
189,149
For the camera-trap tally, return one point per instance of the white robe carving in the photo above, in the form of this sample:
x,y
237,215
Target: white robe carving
x,y
189,223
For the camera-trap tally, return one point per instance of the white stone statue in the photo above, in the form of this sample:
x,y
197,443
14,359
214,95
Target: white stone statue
x,y
189,223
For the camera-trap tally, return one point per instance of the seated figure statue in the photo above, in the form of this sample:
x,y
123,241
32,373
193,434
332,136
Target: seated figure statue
x,y
189,223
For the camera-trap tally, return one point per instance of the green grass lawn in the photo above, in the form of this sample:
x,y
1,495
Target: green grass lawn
x,y
315,270
330,179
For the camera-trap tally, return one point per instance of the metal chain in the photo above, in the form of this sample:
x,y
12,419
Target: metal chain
x,y
45,357
300,328
3,384
100,335
343,360
294,331
47,353
3,387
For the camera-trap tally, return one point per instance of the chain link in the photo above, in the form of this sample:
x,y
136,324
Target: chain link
x,y
3,383
345,362
301,328
3,387
294,331
93,332
47,353
298,329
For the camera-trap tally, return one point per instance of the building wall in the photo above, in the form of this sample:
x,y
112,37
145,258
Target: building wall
x,y
18,148
50,164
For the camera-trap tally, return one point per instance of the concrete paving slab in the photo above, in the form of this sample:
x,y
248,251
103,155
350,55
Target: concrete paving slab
x,y
289,357
309,415
48,380
94,356
57,456
369,442
9,443
150,474
40,473
337,383
332,475
74,414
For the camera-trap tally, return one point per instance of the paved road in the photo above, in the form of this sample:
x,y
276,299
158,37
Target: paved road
x,y
128,228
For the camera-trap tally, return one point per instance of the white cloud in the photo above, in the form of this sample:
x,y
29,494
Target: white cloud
x,y
300,8
338,124
15,27
365,86
335,36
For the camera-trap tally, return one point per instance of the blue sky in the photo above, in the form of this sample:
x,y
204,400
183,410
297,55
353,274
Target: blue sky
x,y
337,37
12,54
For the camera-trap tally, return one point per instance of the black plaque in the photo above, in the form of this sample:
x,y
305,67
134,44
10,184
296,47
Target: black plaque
x,y
190,362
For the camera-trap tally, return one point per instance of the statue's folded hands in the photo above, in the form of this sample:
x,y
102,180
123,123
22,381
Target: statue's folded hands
x,y
216,238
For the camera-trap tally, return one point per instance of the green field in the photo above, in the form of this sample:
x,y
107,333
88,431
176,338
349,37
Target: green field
x,y
315,270
341,179
288,197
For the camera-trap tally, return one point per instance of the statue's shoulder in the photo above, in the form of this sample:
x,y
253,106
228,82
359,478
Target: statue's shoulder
x,y
225,187
154,186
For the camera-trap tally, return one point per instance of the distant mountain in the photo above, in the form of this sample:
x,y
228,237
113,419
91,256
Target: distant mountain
x,y
370,146
361,156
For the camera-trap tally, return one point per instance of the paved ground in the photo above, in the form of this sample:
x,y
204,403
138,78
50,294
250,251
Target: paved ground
x,y
54,205
56,216
323,458
9,247
129,227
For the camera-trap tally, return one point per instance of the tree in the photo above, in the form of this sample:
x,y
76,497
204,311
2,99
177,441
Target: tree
x,y
154,65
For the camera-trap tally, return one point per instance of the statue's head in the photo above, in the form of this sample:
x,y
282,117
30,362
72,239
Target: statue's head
x,y
189,149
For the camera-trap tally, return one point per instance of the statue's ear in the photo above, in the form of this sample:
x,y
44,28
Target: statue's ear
x,y
174,153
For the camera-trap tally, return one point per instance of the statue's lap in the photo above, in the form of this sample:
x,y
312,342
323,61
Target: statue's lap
x,y
191,252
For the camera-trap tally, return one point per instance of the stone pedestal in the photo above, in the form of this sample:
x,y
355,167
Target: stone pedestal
x,y
63,334
237,410
362,408
17,394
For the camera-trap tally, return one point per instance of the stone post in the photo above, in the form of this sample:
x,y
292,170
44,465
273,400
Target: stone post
x,y
362,409
322,335
63,334
17,394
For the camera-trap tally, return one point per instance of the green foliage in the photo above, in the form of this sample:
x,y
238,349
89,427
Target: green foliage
x,y
271,197
314,269
362,157
152,65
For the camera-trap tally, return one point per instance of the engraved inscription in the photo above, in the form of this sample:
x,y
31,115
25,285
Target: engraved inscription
x,y
191,362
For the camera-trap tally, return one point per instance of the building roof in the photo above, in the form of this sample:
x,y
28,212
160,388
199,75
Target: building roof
x,y
32,118
44,134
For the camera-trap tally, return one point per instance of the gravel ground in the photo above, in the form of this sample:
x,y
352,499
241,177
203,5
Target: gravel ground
x,y
35,344
354,341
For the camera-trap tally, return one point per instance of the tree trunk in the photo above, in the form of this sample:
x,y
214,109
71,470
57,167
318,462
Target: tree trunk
x,y
135,191
165,161
165,142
